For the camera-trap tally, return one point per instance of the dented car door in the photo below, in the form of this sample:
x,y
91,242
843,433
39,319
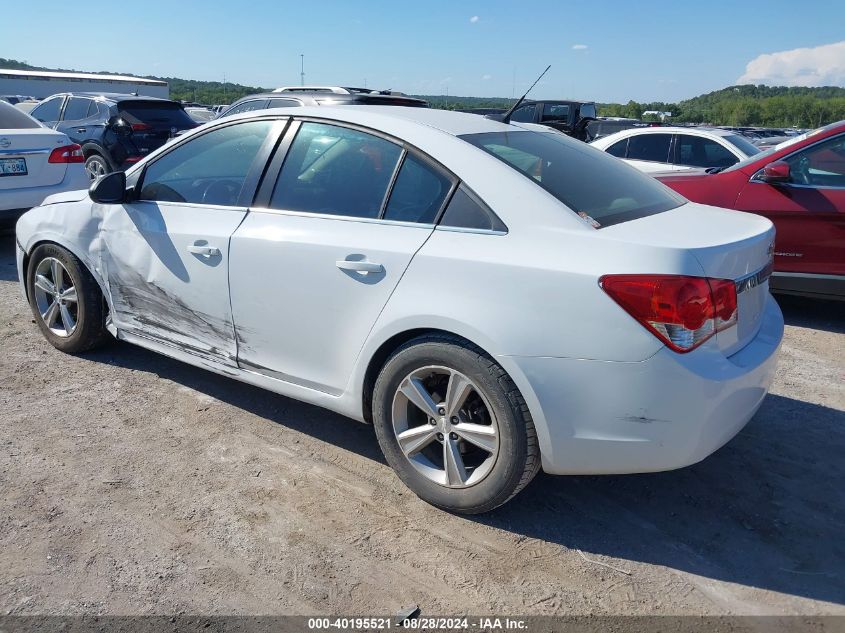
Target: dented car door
x,y
165,253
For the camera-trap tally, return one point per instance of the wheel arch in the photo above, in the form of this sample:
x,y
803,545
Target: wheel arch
x,y
65,244
90,147
392,342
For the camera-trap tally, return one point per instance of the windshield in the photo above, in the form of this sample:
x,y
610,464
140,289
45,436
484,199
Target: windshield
x,y
597,186
742,144
768,152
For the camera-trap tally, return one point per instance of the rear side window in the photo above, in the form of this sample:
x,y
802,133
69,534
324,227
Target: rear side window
x,y
418,193
697,151
467,212
156,114
618,149
13,119
208,169
78,108
337,171
651,147
585,179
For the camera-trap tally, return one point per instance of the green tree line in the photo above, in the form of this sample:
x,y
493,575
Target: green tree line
x,y
771,106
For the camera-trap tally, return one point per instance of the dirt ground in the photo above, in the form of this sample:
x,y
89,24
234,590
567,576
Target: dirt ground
x,y
133,484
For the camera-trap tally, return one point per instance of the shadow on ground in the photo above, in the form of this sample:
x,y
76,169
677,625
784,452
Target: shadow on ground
x,y
767,510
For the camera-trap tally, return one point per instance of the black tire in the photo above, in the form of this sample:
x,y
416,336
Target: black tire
x,y
97,165
518,459
90,330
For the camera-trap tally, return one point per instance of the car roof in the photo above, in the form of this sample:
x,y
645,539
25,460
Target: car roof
x,y
111,96
387,118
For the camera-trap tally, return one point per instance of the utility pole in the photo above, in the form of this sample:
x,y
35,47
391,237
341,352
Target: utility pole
x,y
224,87
302,70
447,97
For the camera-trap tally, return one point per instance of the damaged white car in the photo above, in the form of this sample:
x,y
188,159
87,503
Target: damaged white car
x,y
492,299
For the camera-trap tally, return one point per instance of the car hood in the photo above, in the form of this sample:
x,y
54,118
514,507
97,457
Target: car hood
x,y
66,196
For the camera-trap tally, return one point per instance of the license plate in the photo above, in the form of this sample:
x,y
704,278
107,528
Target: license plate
x,y
13,167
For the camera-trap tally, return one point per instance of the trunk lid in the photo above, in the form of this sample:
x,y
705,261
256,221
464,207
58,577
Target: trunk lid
x,y
30,149
727,244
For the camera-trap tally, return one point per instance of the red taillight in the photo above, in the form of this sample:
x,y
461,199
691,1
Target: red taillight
x,y
682,312
139,127
67,154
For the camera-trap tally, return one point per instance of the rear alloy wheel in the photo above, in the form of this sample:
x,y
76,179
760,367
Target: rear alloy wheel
x,y
453,425
65,299
96,166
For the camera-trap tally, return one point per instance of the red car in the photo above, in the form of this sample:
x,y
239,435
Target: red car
x,y
800,186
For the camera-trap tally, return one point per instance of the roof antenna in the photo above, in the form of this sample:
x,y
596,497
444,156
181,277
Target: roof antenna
x,y
507,117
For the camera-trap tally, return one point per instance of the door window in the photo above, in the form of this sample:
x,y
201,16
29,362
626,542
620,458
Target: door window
x,y
77,109
337,171
618,149
697,151
822,165
418,193
524,114
48,111
247,106
283,103
651,147
555,112
208,169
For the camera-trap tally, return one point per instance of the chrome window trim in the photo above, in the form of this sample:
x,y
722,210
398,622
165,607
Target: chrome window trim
x,y
345,218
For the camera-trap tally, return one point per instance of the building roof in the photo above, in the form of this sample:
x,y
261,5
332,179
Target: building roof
x,y
51,75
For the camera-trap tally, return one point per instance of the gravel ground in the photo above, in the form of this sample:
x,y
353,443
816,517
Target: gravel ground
x,y
133,484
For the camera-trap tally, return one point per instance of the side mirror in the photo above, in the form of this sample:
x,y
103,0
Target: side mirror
x,y
109,189
775,172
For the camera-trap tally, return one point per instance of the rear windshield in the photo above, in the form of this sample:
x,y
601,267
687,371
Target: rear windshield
x,y
594,184
743,144
13,119
156,113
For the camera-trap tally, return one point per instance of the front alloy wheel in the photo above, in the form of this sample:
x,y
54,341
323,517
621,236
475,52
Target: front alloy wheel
x,y
55,297
95,166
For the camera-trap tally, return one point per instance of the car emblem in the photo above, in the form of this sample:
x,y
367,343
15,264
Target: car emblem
x,y
5,141
771,250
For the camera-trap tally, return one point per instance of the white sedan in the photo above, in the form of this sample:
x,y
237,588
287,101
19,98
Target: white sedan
x,y
660,149
492,299
35,162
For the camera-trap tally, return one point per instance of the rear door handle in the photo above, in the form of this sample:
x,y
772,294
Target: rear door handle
x,y
81,130
359,266
204,250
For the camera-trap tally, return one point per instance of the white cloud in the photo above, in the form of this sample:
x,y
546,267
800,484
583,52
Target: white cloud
x,y
819,66
474,19
486,77
579,47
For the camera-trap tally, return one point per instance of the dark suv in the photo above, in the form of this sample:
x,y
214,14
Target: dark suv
x,y
114,130
320,95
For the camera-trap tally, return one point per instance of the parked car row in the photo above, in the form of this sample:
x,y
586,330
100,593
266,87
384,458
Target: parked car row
x,y
35,162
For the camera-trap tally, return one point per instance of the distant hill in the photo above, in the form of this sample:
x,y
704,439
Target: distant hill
x,y
774,106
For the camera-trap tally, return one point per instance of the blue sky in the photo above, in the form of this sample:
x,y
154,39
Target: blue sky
x,y
605,50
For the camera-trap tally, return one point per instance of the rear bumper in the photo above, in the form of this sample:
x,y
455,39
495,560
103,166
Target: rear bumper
x,y
809,285
666,412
